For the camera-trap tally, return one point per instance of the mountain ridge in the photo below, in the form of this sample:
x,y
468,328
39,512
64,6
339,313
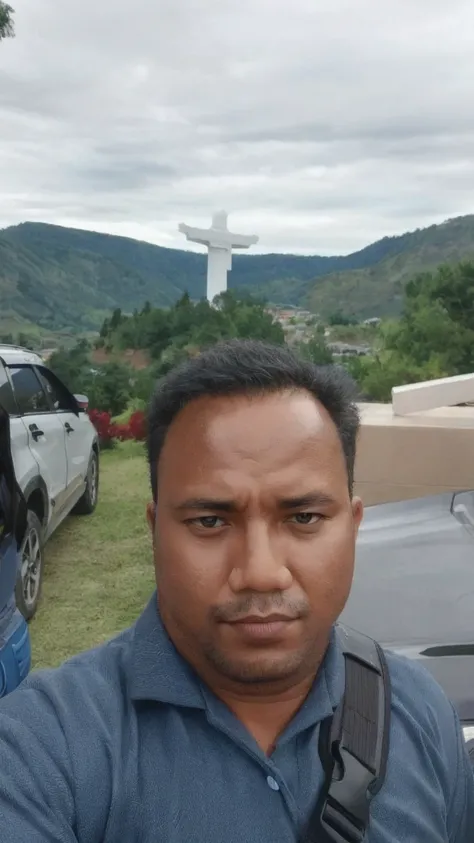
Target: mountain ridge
x,y
63,276
377,290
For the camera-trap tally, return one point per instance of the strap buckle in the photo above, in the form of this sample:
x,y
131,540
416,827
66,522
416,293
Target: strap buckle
x,y
353,746
345,811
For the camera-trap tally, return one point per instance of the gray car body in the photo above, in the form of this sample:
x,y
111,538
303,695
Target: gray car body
x,y
413,588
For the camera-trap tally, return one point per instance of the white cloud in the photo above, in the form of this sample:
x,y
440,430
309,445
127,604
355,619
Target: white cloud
x,y
321,126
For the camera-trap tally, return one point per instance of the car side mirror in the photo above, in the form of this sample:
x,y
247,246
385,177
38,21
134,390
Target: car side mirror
x,y
82,403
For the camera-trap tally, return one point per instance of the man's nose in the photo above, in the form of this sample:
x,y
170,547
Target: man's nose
x,y
261,563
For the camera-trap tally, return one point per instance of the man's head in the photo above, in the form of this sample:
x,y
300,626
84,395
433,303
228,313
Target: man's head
x,y
252,460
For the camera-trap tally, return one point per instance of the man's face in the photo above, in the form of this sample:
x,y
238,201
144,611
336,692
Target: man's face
x,y
254,535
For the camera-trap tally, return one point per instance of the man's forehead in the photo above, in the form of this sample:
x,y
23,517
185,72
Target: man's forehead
x,y
265,428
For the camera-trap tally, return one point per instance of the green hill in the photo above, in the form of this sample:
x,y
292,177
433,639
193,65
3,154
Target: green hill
x,y
61,277
55,285
166,273
378,290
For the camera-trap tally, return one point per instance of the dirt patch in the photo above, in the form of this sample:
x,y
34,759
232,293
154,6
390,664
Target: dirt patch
x,y
100,356
134,357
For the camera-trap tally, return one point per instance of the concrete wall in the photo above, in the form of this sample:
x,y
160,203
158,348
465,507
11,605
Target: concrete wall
x,y
425,453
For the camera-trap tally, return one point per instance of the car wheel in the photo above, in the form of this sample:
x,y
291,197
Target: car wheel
x,y
88,502
28,586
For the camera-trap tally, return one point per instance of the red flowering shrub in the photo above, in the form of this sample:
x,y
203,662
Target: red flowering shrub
x,y
109,432
137,426
103,426
121,432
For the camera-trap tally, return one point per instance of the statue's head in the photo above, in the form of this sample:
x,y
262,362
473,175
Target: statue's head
x,y
219,220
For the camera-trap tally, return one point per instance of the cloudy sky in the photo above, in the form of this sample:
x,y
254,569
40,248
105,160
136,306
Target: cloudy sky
x,y
321,125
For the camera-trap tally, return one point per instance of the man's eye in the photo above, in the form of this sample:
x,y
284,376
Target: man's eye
x,y
208,522
306,518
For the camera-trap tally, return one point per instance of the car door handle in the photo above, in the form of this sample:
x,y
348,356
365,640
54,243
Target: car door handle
x,y
68,428
36,432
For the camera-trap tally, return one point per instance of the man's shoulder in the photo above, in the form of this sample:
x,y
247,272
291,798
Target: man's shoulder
x,y
417,695
87,678
63,736
428,775
426,745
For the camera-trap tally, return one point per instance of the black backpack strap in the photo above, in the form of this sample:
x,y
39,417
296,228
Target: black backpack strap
x,y
353,745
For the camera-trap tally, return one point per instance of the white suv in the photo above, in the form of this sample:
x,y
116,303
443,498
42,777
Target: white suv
x,y
56,456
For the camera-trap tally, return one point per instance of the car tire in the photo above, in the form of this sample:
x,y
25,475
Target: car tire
x,y
88,502
30,578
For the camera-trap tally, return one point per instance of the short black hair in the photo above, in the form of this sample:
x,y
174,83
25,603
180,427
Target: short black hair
x,y
239,367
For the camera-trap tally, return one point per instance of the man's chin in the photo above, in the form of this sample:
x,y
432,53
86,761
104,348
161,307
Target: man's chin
x,y
256,670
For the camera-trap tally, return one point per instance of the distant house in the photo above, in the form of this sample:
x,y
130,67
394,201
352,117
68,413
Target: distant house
x,y
373,322
344,349
289,316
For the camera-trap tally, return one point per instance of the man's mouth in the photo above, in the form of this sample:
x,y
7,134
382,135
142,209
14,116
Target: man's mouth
x,y
274,617
263,627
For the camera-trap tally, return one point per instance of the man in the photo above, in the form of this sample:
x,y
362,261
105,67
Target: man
x,y
201,723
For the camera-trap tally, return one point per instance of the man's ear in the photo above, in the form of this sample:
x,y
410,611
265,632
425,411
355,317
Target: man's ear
x,y
357,513
151,516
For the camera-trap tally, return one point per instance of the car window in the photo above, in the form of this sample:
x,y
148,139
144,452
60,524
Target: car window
x,y
29,393
7,400
60,397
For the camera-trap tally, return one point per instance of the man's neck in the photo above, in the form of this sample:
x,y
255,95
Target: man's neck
x,y
264,708
266,716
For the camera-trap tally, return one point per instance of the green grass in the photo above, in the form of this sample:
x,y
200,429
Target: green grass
x,y
99,568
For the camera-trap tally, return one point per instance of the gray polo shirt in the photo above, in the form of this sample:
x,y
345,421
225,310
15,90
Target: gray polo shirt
x,y
124,744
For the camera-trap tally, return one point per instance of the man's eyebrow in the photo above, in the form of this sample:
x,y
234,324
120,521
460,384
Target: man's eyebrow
x,y
309,499
221,505
207,505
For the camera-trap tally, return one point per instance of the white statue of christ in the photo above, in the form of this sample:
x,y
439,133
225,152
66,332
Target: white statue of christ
x,y
220,242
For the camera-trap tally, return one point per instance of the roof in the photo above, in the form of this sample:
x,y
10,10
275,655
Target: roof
x,y
14,354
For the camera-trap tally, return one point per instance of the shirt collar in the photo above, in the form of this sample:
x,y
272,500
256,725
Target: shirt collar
x,y
158,672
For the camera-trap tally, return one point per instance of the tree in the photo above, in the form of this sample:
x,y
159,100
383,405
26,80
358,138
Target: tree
x,y
246,317
437,321
316,351
105,329
153,331
377,376
184,301
7,29
168,336
73,367
116,319
110,388
434,337
170,358
25,340
340,318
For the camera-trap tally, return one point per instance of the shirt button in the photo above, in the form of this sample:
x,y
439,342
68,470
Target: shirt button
x,y
272,783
